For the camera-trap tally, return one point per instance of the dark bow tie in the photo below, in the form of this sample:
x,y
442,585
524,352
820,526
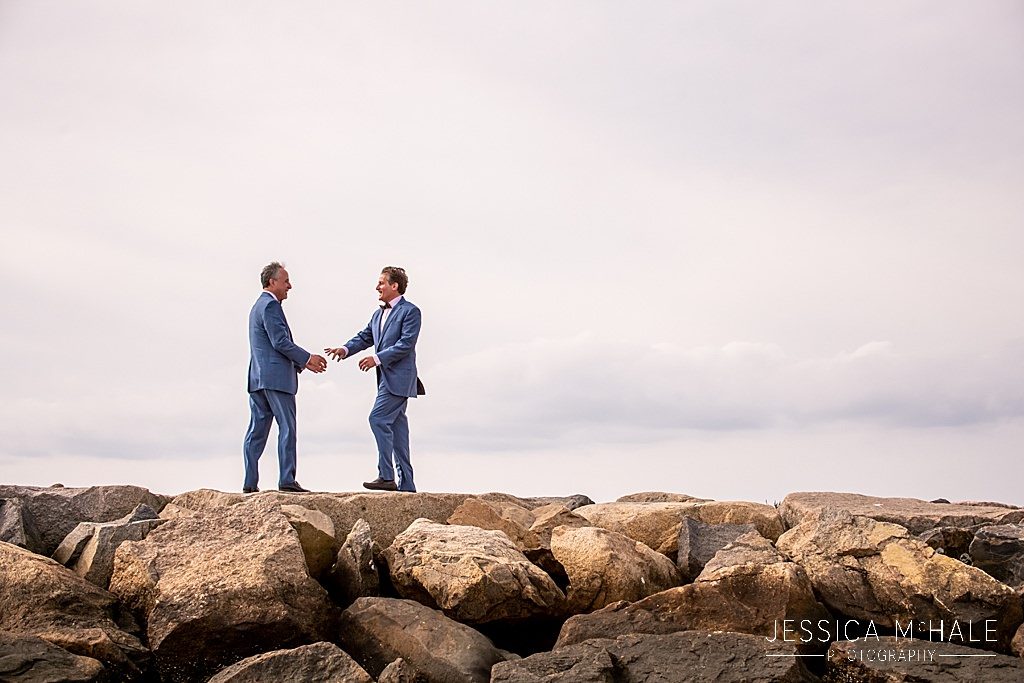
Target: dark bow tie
x,y
385,306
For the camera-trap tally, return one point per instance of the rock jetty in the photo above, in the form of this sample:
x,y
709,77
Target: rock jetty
x,y
117,583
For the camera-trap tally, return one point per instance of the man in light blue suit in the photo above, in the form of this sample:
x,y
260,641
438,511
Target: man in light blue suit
x,y
392,332
274,363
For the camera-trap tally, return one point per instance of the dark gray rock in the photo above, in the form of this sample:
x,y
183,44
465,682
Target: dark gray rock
x,y
698,543
675,658
377,631
917,661
354,574
17,525
316,663
56,511
999,551
28,659
951,540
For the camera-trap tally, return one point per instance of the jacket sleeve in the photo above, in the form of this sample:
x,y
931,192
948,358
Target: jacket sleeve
x,y
362,340
277,330
406,341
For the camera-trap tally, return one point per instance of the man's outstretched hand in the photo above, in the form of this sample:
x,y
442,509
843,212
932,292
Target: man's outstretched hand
x,y
316,363
336,354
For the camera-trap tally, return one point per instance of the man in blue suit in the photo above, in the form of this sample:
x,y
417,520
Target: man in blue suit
x,y
392,332
274,363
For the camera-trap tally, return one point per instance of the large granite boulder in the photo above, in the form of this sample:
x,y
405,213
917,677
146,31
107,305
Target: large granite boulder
x,y
473,575
316,536
316,663
698,543
875,571
532,503
387,513
604,567
220,586
56,511
17,526
354,574
902,660
28,659
657,525
547,517
751,589
89,549
685,657
917,516
511,519
377,631
999,551
660,497
42,598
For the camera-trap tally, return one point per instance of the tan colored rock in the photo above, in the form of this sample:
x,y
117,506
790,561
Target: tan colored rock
x,y
387,513
173,511
202,500
56,511
218,587
316,663
1017,644
876,571
917,516
660,497
604,567
532,503
42,598
473,575
745,598
30,659
379,631
511,519
400,671
89,549
750,548
657,524
547,517
316,536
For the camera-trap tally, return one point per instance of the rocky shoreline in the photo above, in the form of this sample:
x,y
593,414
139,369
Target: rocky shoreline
x,y
116,583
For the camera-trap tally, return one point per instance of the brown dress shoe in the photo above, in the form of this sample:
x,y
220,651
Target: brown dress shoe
x,y
379,484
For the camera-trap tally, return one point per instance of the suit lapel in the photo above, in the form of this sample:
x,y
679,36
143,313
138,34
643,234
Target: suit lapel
x,y
375,328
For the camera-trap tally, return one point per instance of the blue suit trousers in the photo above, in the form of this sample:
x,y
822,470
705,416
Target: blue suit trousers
x,y
390,428
267,405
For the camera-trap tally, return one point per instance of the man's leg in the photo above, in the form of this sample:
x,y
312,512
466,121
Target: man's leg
x,y
256,437
402,462
283,406
385,411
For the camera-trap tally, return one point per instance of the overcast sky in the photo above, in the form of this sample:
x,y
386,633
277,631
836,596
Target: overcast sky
x,y
731,249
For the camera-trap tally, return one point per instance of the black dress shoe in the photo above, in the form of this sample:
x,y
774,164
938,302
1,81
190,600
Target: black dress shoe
x,y
293,488
246,489
379,484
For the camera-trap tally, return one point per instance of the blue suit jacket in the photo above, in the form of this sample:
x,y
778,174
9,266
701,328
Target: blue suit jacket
x,y
275,360
395,347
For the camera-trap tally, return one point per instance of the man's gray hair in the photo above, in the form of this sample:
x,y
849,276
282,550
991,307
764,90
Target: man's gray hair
x,y
268,272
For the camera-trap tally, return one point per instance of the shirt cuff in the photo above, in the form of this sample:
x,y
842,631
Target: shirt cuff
x,y
375,359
